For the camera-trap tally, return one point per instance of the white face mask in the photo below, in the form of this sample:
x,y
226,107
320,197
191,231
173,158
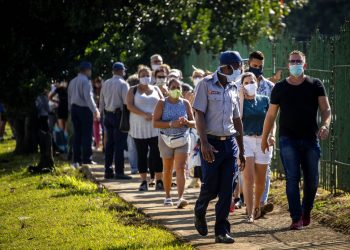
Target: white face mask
x,y
155,67
197,80
233,77
160,81
251,89
145,80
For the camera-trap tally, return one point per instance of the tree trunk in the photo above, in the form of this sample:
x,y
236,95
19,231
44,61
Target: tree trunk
x,y
26,134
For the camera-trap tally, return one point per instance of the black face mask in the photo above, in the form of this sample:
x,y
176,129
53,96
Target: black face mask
x,y
256,71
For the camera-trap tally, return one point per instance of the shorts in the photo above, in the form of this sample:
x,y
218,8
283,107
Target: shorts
x,y
252,147
168,153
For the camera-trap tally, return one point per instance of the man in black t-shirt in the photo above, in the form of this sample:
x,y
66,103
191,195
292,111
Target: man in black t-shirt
x,y
298,98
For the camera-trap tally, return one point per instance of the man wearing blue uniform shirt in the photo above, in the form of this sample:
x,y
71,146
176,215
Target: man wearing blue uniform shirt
x,y
83,110
112,99
220,130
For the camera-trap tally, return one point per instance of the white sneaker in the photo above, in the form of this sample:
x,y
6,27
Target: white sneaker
x,y
75,165
181,203
168,202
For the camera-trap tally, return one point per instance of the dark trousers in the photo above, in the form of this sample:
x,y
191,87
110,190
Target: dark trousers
x,y
197,173
154,162
82,119
299,154
218,180
115,143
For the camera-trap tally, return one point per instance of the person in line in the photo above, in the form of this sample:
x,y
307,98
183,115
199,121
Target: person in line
x,y
254,176
112,99
62,102
83,110
220,130
161,81
265,86
141,101
156,61
173,115
97,85
132,80
298,98
197,76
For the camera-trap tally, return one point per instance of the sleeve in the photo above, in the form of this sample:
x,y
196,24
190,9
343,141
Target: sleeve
x,y
201,97
275,96
320,89
69,95
89,96
102,100
236,113
125,89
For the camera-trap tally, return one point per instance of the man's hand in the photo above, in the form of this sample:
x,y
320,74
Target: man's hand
x,y
323,133
241,161
208,152
272,140
97,116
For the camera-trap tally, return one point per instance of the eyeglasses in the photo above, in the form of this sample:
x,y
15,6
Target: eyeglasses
x,y
162,77
296,61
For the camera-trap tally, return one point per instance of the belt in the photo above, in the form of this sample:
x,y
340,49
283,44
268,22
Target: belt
x,y
118,110
220,138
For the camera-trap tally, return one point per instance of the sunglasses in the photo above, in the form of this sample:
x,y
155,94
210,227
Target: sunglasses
x,y
298,61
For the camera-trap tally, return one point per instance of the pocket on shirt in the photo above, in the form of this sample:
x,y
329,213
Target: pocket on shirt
x,y
216,102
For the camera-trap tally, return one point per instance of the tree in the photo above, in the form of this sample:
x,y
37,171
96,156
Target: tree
x,y
326,15
141,28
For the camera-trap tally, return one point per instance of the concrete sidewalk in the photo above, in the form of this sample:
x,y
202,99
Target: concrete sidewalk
x,y
270,232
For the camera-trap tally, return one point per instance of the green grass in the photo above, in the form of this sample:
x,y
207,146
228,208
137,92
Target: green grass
x,y
330,210
64,211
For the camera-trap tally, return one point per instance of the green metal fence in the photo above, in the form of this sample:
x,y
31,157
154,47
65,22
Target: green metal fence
x,y
328,59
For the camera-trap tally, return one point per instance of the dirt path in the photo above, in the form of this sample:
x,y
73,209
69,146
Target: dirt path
x,y
270,232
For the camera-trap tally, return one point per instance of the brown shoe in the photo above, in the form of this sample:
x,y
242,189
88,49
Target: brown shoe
x,y
267,208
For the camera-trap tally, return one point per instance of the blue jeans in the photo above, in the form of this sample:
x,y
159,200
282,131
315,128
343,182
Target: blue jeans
x,y
115,144
265,195
132,153
82,119
299,154
218,180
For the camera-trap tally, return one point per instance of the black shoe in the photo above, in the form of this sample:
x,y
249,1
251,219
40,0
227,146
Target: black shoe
x,y
109,175
225,238
201,225
143,186
159,186
90,163
122,177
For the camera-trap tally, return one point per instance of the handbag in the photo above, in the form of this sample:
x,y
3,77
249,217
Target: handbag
x,y
124,125
175,141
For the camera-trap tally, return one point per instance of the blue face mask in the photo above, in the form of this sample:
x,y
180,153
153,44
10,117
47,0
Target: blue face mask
x,y
296,69
256,71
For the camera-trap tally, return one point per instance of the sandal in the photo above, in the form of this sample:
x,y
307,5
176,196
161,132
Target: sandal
x,y
257,213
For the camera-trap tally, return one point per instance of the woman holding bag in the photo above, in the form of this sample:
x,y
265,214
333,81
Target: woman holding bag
x,y
174,117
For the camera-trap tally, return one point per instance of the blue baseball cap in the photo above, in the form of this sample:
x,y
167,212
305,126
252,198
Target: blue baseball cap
x,y
118,66
85,65
229,57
